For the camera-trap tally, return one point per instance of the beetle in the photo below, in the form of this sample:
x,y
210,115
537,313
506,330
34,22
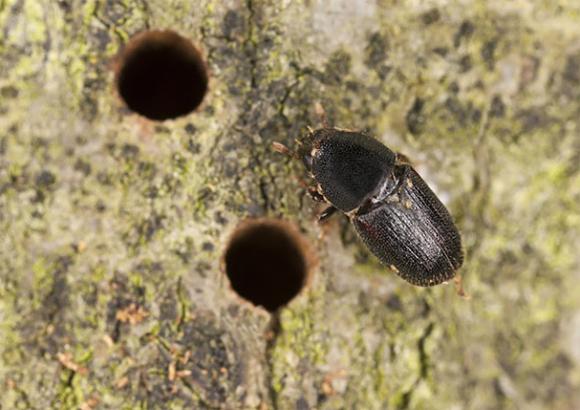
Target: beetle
x,y
393,210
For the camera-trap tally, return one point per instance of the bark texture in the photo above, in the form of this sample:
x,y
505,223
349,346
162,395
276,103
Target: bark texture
x,y
112,226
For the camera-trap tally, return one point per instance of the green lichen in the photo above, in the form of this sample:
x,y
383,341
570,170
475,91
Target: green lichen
x,y
101,210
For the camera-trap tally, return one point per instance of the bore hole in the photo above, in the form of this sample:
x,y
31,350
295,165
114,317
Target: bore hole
x,y
161,75
266,263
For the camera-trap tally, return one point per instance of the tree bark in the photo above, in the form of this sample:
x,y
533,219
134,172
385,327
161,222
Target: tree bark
x,y
113,227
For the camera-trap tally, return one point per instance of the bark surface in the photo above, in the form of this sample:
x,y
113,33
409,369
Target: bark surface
x,y
112,227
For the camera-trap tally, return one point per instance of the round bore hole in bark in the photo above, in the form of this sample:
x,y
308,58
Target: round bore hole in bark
x,y
161,75
267,262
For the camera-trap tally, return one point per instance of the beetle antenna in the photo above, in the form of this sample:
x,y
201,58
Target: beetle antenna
x,y
321,114
282,149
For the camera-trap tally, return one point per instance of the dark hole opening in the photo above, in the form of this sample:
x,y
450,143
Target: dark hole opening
x,y
162,75
266,264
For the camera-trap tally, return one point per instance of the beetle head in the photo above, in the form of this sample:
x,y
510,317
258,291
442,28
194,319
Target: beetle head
x,y
310,144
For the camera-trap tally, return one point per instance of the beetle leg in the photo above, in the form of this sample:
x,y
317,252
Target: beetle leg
x,y
327,213
404,179
402,162
402,159
459,287
315,195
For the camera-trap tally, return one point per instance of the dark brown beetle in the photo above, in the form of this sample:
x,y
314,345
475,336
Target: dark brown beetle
x,y
392,209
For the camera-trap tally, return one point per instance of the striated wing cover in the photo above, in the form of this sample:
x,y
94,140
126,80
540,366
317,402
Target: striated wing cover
x,y
412,232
